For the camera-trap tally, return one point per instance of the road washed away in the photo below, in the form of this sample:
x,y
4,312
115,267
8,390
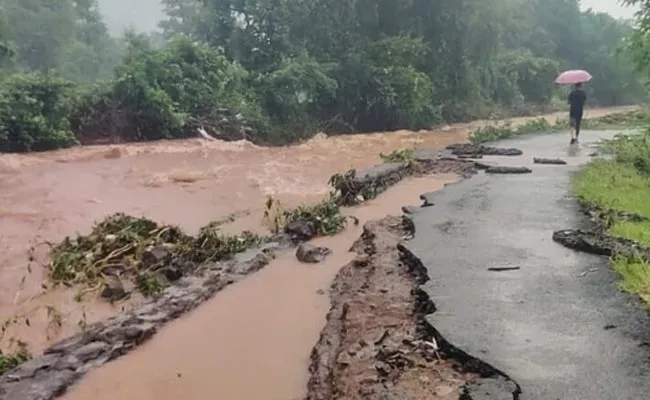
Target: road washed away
x,y
512,314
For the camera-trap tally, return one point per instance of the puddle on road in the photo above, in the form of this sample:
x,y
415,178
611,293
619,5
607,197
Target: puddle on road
x,y
252,340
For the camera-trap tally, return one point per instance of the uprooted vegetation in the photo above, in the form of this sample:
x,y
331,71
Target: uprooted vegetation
x,y
141,250
399,156
151,255
305,221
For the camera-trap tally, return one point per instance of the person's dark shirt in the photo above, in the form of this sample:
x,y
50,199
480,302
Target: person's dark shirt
x,y
577,99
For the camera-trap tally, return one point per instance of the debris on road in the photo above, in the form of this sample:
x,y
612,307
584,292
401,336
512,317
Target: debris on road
x,y
501,169
500,269
550,161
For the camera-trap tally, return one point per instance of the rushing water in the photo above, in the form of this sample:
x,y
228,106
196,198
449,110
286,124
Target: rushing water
x,y
253,340
46,196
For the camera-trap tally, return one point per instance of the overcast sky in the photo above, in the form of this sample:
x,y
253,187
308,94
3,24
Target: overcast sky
x,y
145,14
610,6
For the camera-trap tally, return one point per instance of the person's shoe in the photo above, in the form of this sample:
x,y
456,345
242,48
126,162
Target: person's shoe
x,y
573,141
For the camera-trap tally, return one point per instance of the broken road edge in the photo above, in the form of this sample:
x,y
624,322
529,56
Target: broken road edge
x,y
347,363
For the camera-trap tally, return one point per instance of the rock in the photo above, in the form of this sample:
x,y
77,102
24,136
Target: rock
x,y
29,368
382,368
172,273
410,209
113,289
502,169
140,332
551,161
301,230
308,253
493,388
155,255
425,201
482,165
42,387
68,362
91,351
470,156
389,396
250,261
344,359
361,260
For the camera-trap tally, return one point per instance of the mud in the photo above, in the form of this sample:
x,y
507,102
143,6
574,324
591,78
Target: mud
x,y
374,345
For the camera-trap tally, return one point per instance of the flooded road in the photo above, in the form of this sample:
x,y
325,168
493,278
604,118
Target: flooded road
x,y
46,196
252,340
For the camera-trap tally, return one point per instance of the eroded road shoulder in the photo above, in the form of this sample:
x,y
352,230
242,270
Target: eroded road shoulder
x,y
376,344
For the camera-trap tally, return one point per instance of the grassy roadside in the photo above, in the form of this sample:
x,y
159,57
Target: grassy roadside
x,y
620,186
617,121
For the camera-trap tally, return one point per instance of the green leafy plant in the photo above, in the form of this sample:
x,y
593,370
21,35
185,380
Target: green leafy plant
x,y
139,248
400,156
11,360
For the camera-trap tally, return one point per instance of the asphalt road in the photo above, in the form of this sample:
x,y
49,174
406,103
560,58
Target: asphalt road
x,y
558,326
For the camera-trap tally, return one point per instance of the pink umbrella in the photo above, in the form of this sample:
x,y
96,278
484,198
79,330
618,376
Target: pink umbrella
x,y
573,76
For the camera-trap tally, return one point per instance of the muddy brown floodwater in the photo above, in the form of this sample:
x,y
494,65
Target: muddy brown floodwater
x,y
46,196
252,340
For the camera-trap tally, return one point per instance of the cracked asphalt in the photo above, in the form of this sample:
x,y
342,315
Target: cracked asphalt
x,y
558,326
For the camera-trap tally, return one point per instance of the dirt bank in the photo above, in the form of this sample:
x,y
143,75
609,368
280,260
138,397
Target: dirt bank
x,y
374,344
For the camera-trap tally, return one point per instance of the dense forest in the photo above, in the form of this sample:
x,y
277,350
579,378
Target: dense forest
x,y
277,71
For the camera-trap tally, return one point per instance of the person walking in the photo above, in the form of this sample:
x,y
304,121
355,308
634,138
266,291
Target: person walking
x,y
577,97
576,100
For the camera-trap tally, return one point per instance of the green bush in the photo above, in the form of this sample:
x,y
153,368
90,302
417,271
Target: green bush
x,y
169,93
34,110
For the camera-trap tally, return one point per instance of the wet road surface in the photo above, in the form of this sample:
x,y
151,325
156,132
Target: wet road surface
x,y
558,326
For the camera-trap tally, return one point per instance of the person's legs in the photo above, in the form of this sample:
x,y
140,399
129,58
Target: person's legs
x,y
578,122
573,124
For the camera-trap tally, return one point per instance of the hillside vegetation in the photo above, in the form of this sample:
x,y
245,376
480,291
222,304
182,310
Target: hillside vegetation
x,y
277,71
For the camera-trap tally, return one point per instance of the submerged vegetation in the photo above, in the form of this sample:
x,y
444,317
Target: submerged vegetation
x,y
276,73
